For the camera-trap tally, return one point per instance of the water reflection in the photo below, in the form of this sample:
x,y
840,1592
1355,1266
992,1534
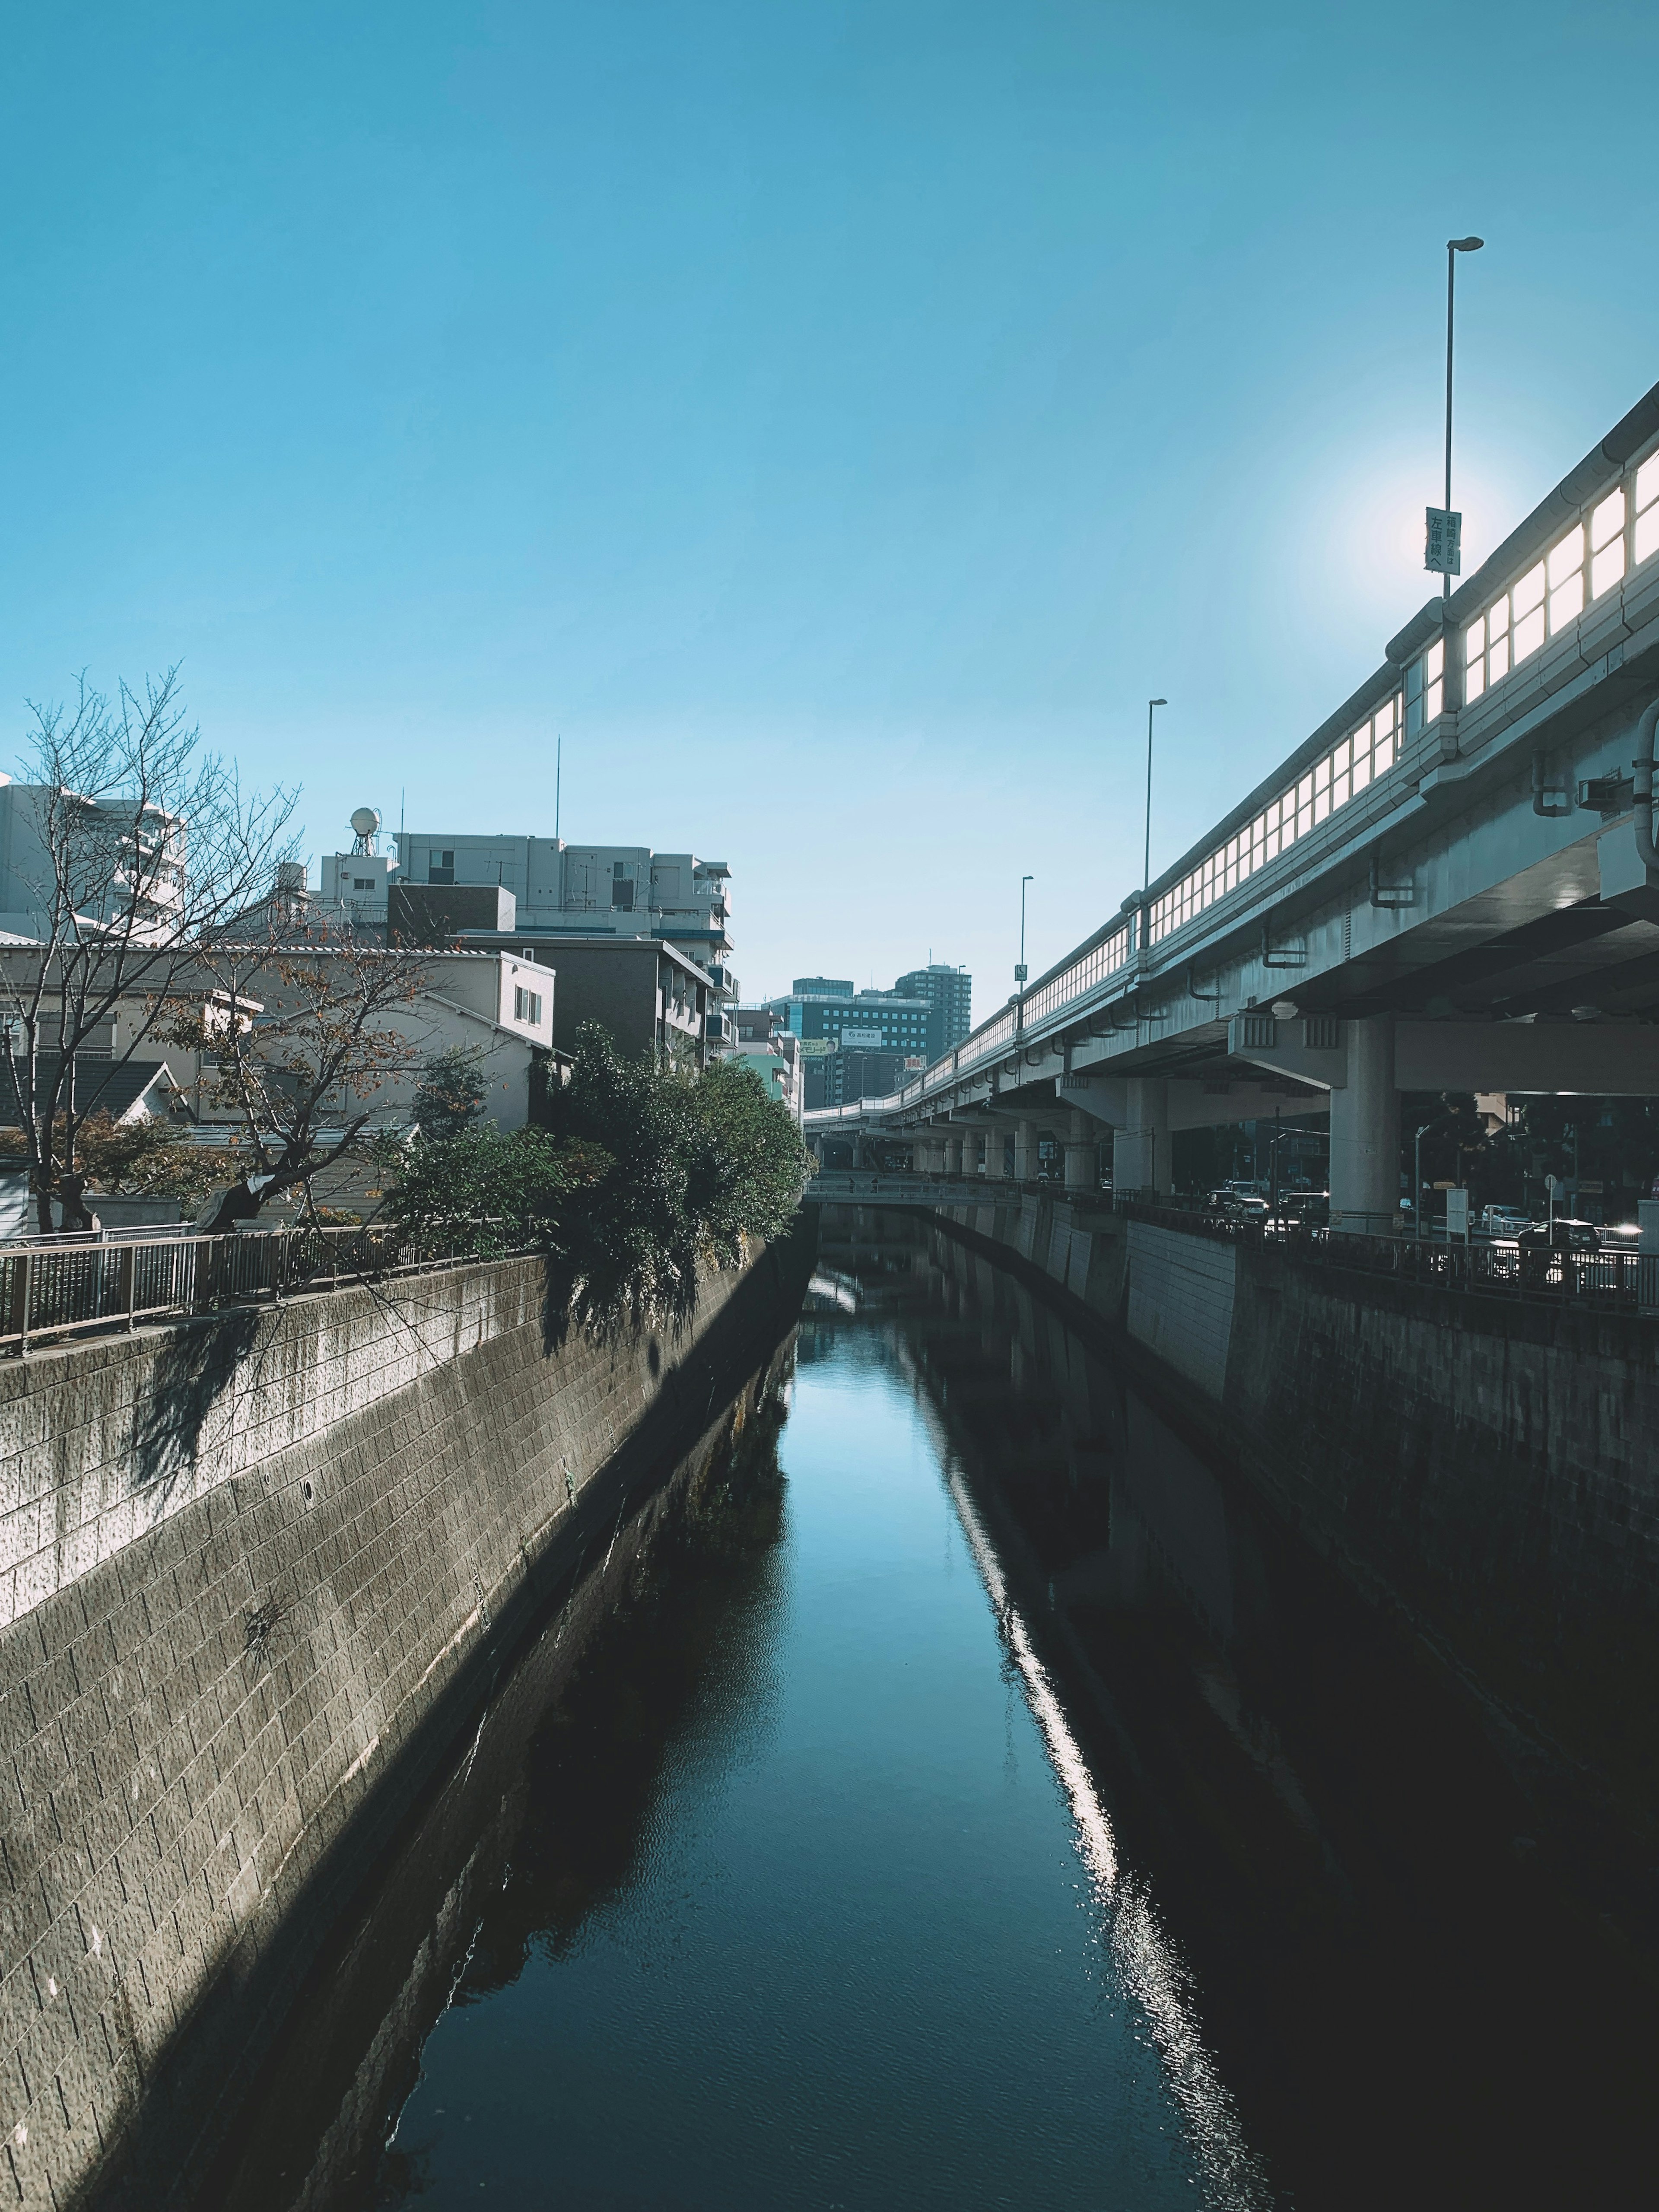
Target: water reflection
x,y
1405,2002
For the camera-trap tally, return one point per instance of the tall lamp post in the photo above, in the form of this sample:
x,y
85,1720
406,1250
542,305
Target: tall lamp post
x,y
1146,856
1450,560
1021,971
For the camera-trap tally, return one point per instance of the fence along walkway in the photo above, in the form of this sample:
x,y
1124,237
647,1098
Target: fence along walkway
x,y
61,1288
1625,1279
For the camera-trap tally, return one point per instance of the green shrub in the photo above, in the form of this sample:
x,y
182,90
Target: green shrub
x,y
486,1191
643,1173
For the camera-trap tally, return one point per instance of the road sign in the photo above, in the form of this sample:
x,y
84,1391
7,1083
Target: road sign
x,y
1443,550
1457,1214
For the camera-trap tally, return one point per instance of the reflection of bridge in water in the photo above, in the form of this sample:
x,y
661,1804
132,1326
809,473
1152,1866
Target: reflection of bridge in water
x,y
1451,885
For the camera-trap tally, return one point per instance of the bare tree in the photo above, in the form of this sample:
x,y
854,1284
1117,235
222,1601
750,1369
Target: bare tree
x,y
305,1035
145,850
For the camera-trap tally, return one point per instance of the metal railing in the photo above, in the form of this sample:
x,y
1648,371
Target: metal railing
x,y
64,1286
1626,1280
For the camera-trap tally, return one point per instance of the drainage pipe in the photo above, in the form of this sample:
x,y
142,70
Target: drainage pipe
x,y
1644,773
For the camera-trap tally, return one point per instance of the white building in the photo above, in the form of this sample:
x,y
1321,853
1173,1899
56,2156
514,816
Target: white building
x,y
579,891
355,885
122,861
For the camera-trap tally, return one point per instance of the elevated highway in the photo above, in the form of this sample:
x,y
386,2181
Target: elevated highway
x,y
1451,885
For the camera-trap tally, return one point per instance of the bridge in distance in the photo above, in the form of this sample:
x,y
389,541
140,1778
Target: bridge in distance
x,y
1451,885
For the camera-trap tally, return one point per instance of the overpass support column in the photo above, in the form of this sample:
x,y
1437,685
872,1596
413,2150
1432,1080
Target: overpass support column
x,y
1082,1153
970,1153
1025,1151
952,1149
1365,1132
1140,1150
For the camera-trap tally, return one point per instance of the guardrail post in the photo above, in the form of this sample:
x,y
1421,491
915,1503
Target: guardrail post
x,y
129,1284
22,1286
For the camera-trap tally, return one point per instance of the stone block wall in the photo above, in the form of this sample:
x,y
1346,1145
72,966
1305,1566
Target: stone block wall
x,y
252,1568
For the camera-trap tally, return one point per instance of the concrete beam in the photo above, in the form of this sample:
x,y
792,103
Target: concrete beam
x,y
1309,1051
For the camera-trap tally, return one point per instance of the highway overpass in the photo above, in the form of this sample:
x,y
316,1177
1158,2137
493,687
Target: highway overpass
x,y
1451,885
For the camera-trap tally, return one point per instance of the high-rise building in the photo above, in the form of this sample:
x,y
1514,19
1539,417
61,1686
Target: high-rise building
x,y
950,995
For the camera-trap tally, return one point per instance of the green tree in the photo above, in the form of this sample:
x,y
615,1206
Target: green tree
x,y
701,1161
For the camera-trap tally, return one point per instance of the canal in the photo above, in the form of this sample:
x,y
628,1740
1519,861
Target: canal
x,y
970,1801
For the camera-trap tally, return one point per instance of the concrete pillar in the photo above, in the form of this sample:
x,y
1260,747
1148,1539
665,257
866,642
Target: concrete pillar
x,y
1082,1154
1140,1150
1365,1132
1025,1151
970,1153
952,1154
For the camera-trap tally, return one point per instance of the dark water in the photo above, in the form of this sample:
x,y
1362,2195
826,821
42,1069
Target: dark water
x,y
973,1801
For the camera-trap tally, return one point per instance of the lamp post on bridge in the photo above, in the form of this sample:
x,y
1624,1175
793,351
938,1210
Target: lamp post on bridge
x,y
1443,548
1021,971
1147,856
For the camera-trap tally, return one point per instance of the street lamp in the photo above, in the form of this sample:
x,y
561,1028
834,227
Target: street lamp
x,y
1021,971
1146,858
1452,554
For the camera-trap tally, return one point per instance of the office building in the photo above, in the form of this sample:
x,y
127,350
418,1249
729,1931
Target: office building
x,y
840,1077
950,995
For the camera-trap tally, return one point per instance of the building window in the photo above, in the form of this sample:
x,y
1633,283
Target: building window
x,y
527,1006
442,869
1647,508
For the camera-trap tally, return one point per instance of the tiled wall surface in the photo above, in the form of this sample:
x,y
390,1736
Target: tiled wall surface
x,y
1180,1301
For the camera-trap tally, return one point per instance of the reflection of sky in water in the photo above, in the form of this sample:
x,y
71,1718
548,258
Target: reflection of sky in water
x,y
843,1964
1147,1963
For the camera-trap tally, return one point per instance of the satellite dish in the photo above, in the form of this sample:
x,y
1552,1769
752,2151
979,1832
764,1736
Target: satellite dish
x,y
365,820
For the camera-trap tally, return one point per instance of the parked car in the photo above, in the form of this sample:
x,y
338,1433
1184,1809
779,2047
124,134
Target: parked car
x,y
1504,1220
1564,1234
1545,1251
1239,1206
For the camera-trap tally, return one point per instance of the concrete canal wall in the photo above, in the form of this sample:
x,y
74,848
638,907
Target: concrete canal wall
x,y
255,1573
1488,1467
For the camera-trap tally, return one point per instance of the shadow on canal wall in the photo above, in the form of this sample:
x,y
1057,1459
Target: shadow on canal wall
x,y
1482,1468
508,1846
1410,1995
230,1665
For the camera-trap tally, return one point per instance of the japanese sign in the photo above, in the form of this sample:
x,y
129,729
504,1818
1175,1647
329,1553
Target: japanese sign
x,y
1443,550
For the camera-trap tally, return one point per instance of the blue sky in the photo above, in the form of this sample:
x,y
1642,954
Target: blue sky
x,y
836,419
